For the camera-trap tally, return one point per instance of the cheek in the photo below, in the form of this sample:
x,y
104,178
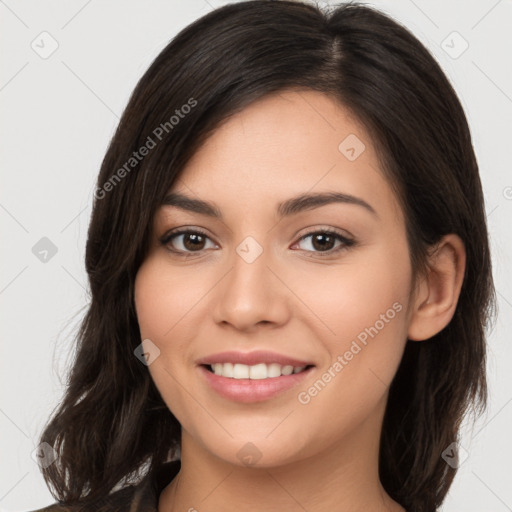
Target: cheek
x,y
383,325
362,306
159,311
163,299
169,303
149,300
365,306
350,296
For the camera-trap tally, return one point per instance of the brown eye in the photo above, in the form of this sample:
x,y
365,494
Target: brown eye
x,y
324,242
185,241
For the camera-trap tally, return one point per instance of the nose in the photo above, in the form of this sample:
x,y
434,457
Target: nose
x,y
252,292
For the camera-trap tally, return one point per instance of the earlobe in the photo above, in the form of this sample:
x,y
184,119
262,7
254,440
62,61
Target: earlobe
x,y
438,294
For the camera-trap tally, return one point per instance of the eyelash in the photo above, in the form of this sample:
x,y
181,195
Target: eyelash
x,y
346,242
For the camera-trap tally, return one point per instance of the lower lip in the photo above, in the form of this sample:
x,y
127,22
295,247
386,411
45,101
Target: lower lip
x,y
252,390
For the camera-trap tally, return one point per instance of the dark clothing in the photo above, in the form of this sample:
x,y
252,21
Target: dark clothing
x,y
134,498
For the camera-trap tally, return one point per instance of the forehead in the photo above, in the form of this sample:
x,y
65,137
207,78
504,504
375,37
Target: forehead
x,y
286,144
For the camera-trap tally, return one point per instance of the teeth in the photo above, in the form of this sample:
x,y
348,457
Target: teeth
x,y
257,371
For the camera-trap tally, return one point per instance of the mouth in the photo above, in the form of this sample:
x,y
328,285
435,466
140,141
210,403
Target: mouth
x,y
250,384
261,371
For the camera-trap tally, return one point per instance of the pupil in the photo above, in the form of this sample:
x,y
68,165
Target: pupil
x,y
321,237
195,244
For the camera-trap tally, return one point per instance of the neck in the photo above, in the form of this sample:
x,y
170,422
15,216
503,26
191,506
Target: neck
x,y
344,477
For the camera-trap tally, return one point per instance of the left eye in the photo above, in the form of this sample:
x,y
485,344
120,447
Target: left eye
x,y
194,241
322,241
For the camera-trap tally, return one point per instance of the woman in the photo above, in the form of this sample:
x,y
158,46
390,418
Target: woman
x,y
304,358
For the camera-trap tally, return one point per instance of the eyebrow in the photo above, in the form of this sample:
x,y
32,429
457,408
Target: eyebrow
x,y
287,208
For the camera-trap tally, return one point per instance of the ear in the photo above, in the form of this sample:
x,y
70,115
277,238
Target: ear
x,y
437,295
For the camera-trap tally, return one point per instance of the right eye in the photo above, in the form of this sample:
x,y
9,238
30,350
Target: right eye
x,y
190,241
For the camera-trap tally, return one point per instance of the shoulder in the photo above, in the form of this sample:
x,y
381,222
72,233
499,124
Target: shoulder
x,y
55,507
118,500
134,498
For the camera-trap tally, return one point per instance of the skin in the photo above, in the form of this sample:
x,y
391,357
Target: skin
x,y
322,455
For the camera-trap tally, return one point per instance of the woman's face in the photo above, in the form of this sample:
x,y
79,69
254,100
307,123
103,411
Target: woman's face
x,y
273,278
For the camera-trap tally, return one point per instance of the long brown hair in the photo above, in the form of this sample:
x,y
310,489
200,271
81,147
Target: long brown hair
x,y
112,426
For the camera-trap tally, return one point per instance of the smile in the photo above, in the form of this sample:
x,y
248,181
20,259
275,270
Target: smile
x,y
242,388
255,372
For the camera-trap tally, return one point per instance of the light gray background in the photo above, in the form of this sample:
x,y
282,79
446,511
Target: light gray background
x,y
57,116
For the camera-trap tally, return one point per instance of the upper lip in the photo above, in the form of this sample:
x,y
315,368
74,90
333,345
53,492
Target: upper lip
x,y
252,358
